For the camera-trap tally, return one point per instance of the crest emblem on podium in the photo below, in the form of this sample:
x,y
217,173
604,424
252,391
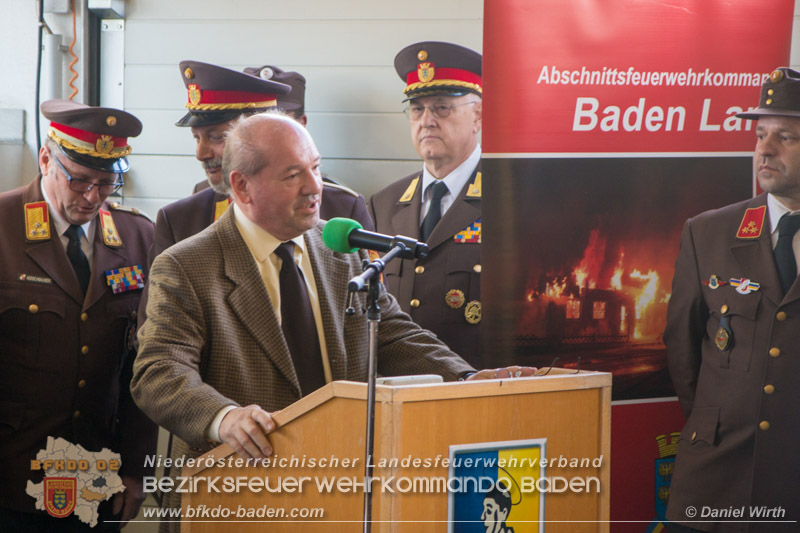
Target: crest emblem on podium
x,y
493,482
59,495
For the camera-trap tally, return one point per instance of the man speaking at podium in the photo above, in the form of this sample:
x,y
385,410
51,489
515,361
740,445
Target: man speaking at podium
x,y
248,316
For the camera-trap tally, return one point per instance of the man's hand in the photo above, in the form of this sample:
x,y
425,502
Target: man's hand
x,y
245,430
128,501
508,372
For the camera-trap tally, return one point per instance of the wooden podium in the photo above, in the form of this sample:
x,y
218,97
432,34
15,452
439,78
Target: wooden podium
x,y
321,438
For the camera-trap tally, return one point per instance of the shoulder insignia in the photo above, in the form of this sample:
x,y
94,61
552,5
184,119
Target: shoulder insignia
x,y
752,223
109,229
220,208
37,221
475,188
409,194
340,187
116,206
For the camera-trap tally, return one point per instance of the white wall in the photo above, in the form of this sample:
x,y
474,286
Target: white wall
x,y
344,49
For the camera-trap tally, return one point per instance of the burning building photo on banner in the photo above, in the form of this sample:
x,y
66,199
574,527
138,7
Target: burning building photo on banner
x,y
596,242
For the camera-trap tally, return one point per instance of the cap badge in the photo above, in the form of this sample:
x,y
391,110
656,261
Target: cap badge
x,y
37,224
473,312
189,73
195,95
104,144
426,72
752,222
422,55
111,121
776,76
454,298
714,282
266,73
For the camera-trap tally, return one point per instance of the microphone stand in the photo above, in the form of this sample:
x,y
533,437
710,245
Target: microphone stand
x,y
370,279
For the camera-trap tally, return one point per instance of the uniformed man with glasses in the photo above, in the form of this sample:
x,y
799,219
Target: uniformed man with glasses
x,y
72,270
441,204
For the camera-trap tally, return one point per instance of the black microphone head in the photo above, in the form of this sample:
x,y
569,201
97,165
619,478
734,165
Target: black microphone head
x,y
336,234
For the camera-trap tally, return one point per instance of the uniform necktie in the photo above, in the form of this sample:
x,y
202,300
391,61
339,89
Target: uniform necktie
x,y
434,211
297,322
784,254
76,256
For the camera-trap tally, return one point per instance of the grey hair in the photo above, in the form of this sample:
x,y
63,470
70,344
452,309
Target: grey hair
x,y
241,153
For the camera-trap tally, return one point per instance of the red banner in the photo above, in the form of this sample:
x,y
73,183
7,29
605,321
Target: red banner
x,y
627,76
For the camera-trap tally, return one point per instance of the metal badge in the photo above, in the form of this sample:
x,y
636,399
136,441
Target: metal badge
x,y
473,312
723,337
714,282
455,298
744,285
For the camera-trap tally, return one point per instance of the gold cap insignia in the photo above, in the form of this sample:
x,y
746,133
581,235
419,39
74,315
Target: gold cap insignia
x,y
37,223
776,76
454,298
104,144
426,72
195,95
109,229
473,312
422,55
189,73
111,120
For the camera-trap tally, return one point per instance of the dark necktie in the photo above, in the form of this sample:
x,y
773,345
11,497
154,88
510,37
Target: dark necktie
x,y
434,211
784,254
76,256
297,322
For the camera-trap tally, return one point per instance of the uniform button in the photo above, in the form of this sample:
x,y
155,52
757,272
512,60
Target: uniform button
x,y
774,352
133,315
769,389
415,303
781,316
76,414
85,350
694,435
33,308
81,383
763,425
724,309
477,268
84,317
420,269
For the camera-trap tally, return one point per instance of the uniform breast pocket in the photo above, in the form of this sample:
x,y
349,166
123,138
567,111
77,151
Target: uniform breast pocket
x,y
462,283
732,328
27,313
121,316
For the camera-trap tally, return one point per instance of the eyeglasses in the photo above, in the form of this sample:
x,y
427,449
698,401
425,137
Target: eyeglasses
x,y
415,111
84,186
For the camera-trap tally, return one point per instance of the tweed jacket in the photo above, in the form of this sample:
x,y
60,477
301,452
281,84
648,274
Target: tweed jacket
x,y
212,340
741,396
442,289
65,358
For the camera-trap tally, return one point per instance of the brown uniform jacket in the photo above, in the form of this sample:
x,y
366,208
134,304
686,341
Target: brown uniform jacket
x,y
65,359
742,402
441,292
211,338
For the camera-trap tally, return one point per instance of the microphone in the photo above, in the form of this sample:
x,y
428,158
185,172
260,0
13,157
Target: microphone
x,y
345,235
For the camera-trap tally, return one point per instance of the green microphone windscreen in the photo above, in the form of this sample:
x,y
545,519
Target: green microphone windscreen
x,y
336,234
